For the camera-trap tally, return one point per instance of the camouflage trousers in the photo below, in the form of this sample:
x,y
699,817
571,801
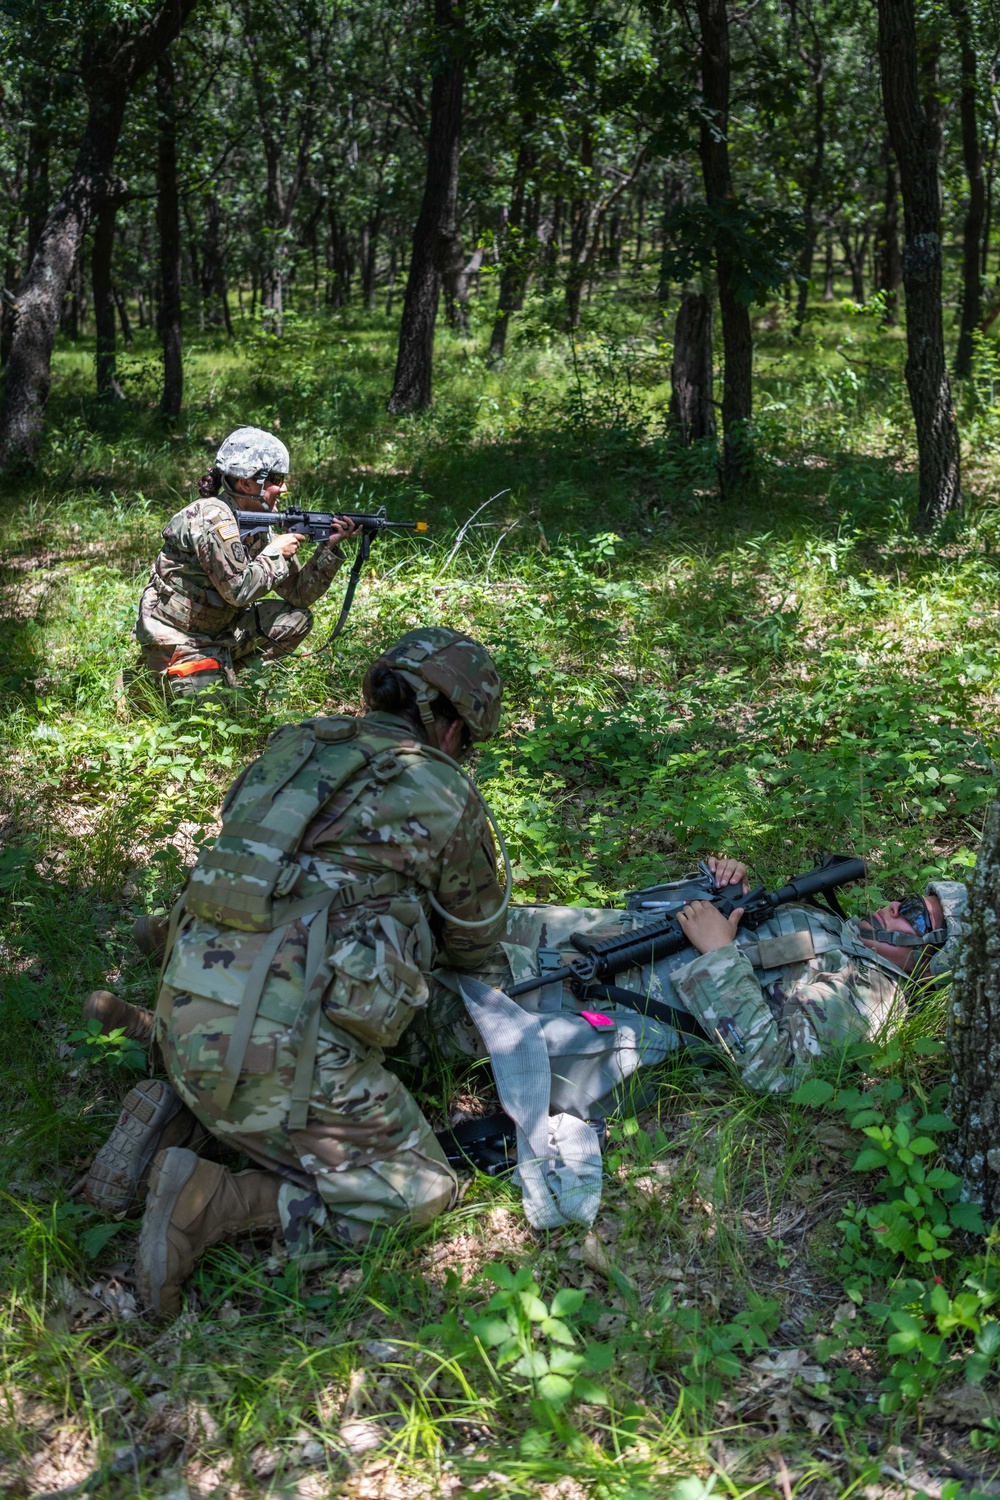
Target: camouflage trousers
x,y
366,1156
263,632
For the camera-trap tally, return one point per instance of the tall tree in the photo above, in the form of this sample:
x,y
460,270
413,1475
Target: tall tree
x,y
975,212
112,58
737,339
974,1032
168,223
915,136
102,255
437,224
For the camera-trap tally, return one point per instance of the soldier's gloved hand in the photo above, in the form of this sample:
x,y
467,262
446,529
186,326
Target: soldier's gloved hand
x,y
288,543
727,871
340,530
705,927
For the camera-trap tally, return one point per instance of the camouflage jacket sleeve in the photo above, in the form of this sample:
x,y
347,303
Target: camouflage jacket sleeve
x,y
238,575
305,584
773,1034
469,889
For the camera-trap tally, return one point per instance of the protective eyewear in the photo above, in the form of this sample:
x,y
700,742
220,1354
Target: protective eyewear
x,y
914,909
270,476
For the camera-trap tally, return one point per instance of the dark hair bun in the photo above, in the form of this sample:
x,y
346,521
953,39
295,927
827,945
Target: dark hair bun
x,y
210,484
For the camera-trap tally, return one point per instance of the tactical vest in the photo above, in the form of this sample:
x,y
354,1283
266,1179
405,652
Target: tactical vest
x,y
250,878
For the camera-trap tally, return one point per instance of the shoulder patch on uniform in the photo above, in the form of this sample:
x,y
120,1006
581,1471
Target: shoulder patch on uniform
x,y
227,530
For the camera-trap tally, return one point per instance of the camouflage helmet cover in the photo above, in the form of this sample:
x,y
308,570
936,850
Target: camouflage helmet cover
x,y
249,451
954,898
439,660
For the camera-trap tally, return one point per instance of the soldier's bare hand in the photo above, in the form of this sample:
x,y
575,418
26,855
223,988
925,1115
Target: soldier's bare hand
x,y
705,927
341,530
727,871
288,543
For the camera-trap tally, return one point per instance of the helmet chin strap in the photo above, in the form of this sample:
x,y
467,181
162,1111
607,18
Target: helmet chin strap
x,y
880,934
424,696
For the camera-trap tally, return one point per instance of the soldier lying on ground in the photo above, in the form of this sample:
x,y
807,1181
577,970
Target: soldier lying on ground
x,y
203,613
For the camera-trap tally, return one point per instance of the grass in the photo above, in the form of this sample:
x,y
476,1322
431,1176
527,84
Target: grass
x,y
808,674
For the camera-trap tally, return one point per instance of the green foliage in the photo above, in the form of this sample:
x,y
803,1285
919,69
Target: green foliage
x,y
532,1349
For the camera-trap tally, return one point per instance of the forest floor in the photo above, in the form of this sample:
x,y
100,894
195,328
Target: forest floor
x,y
772,1302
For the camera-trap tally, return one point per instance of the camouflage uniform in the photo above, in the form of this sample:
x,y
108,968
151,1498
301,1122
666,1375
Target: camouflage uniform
x,y
201,600
349,1138
776,1018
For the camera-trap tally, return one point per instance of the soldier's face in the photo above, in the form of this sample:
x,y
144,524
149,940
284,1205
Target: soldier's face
x,y
888,918
274,488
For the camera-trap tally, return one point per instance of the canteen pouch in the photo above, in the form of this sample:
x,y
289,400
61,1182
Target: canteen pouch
x,y
375,981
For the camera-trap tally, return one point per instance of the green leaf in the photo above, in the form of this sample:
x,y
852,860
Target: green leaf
x,y
534,1365
491,1330
923,1145
940,1179
567,1301
598,1357
498,1274
935,1122
94,1239
553,1329
533,1306
587,1390
814,1092
928,1046
555,1388
988,1338
967,1216
869,1160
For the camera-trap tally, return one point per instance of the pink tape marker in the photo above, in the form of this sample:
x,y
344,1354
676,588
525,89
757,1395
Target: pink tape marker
x,y
599,1022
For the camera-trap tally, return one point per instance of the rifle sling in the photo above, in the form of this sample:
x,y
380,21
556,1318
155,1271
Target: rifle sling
x,y
645,1005
360,558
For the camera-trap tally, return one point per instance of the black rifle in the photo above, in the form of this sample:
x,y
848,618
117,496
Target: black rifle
x,y
315,525
592,973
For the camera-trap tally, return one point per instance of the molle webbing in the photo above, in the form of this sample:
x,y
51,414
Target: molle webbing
x,y
167,593
248,878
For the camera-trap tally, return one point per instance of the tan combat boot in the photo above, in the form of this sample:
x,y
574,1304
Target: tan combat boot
x,y
152,1118
150,935
192,1205
137,1024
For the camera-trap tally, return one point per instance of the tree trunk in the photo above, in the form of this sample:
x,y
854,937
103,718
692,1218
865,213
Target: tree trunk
x,y
168,222
213,267
854,259
916,142
517,251
436,225
692,414
974,1033
37,186
369,257
104,300
456,278
737,469
674,195
975,212
111,61
123,317
888,257
813,183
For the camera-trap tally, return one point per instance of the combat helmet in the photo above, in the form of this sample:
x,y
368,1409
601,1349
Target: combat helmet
x,y
439,660
954,898
250,451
